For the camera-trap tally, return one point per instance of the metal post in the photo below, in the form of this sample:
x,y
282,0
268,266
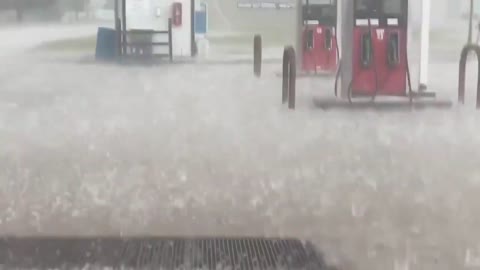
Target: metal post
x,y
424,45
289,77
193,45
257,55
170,40
346,43
462,70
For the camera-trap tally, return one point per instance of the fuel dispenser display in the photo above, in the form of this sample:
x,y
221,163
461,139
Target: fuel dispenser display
x,y
319,51
380,65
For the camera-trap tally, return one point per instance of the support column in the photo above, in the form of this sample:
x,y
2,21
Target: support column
x,y
346,45
338,28
424,45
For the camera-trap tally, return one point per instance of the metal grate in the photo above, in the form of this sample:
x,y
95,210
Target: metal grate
x,y
159,253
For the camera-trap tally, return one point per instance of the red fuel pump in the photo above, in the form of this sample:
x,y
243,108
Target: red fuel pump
x,y
319,52
380,65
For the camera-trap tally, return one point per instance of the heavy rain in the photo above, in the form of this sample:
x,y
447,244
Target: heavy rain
x,y
201,147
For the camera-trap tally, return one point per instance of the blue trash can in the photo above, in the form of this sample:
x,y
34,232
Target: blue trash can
x,y
201,20
106,44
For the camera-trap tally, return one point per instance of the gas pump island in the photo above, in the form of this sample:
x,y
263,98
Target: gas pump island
x,y
373,52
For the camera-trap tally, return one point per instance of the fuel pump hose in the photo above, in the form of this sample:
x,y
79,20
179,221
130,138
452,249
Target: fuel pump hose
x,y
339,69
373,60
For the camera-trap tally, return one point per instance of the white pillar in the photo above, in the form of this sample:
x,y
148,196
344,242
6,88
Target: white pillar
x,y
424,44
346,43
338,28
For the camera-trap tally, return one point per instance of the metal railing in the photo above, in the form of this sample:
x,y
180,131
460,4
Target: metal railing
x,y
123,43
462,72
289,76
